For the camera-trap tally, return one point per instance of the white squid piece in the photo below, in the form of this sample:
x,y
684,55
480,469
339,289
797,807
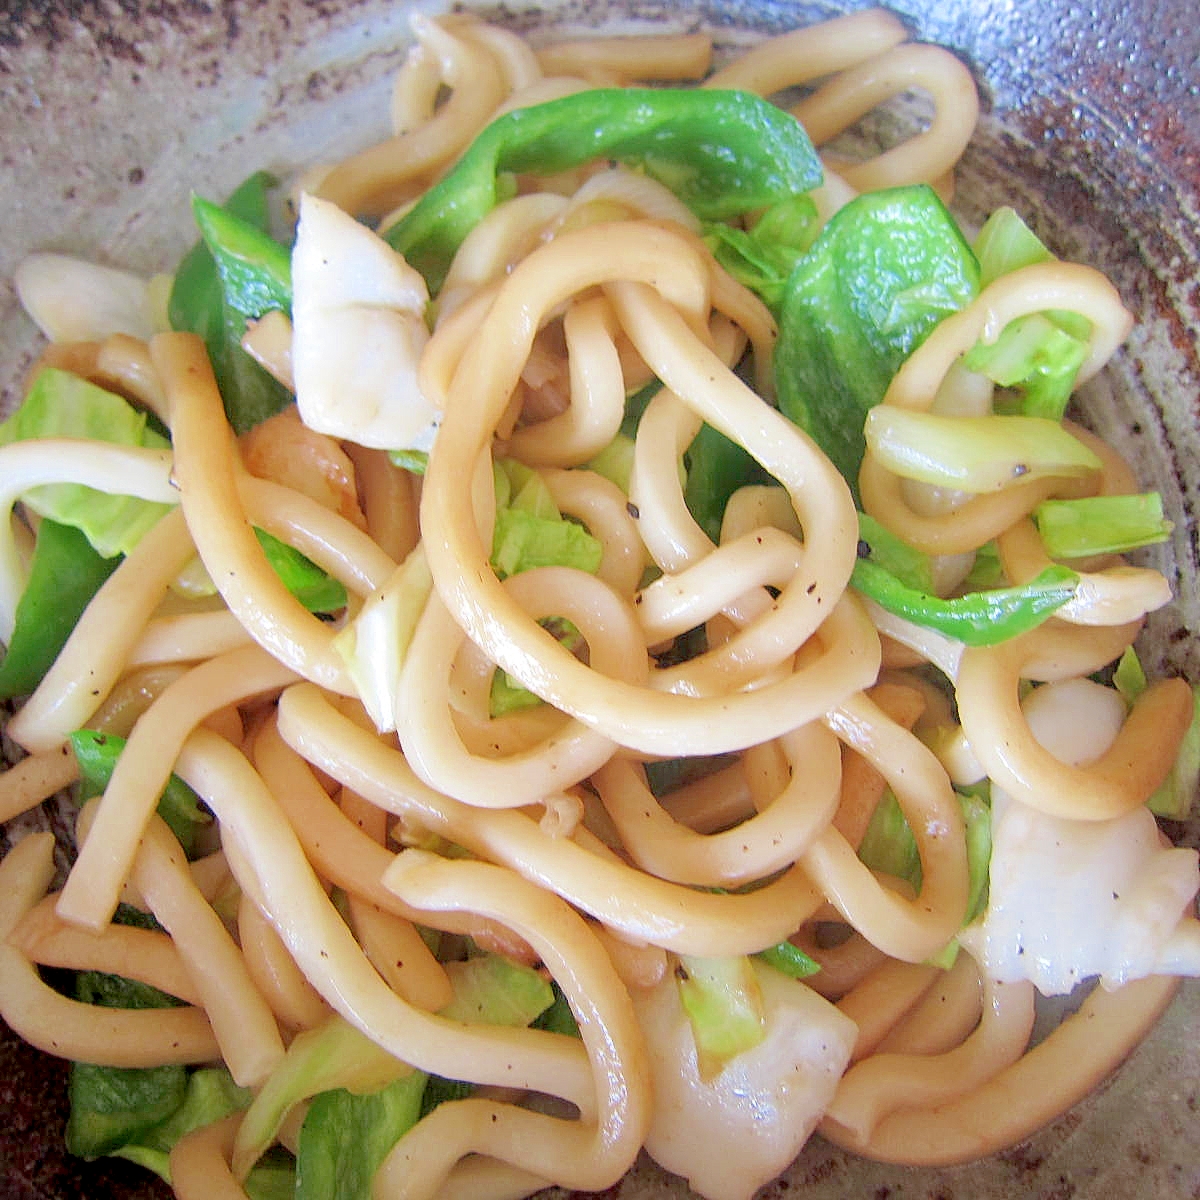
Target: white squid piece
x,y
358,317
733,1133
1070,900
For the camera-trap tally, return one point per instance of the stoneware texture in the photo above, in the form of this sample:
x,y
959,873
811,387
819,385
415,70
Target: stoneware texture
x,y
113,110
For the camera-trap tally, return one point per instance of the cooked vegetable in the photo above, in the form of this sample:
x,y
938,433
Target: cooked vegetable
x,y
977,618
63,577
764,255
789,960
375,643
254,270
317,591
209,1095
179,806
1176,796
73,300
62,405
888,846
974,454
910,567
722,153
111,1106
884,271
523,540
724,1004
716,468
331,1056
1101,524
1036,356
345,1136
1039,354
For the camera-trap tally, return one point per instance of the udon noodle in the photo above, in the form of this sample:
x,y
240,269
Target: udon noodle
x,y
378,823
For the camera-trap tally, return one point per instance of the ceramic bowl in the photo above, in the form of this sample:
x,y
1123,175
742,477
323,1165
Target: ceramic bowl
x,y
114,111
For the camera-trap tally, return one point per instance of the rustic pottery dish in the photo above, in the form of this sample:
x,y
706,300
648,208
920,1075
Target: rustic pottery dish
x,y
113,112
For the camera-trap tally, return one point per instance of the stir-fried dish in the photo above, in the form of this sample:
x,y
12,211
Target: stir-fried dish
x,y
610,633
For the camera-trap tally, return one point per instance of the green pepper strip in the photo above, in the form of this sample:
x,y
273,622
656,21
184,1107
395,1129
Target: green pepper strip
x,y
197,300
64,576
179,806
255,269
790,960
236,272
977,619
722,153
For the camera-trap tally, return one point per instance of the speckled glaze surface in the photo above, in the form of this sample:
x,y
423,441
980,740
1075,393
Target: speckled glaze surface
x,y
114,109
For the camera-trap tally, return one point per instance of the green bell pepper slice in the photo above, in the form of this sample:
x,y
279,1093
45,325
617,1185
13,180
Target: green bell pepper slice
x,y
723,153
